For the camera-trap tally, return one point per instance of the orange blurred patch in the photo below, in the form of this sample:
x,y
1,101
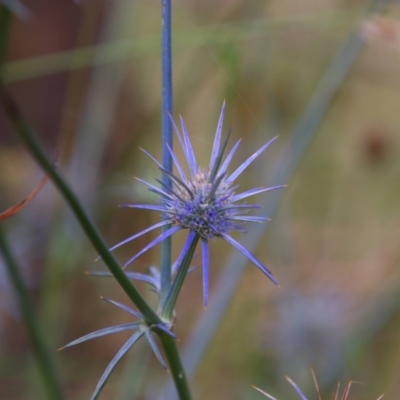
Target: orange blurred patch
x,y
18,207
381,28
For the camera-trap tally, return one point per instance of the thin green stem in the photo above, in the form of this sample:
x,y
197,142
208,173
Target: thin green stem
x,y
166,257
29,139
169,305
169,343
174,360
40,351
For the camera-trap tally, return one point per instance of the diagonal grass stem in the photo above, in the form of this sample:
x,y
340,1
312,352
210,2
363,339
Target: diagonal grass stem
x,y
87,225
31,142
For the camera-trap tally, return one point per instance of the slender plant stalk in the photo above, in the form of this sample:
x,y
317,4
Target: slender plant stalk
x,y
178,373
31,142
37,151
40,351
169,305
170,346
166,258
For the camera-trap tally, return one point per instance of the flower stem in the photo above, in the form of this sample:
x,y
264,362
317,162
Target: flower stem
x,y
31,142
38,346
169,305
168,343
174,360
166,259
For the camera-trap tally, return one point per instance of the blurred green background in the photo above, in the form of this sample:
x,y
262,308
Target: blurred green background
x,y
87,78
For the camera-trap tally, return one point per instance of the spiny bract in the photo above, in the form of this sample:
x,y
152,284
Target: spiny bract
x,y
204,201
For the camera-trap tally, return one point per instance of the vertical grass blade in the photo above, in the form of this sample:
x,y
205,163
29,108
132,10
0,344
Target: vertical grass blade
x,y
40,351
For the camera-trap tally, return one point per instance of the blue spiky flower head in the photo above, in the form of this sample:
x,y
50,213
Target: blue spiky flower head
x,y
203,201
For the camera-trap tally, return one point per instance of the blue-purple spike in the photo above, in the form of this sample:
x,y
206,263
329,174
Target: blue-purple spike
x,y
255,191
250,218
122,351
103,332
144,278
189,150
165,329
215,185
153,345
123,307
155,226
250,256
297,389
155,189
144,207
151,157
217,139
168,189
177,164
178,135
179,182
244,207
157,240
229,157
235,174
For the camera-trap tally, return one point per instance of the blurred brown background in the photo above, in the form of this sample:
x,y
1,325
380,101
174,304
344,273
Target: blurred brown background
x,y
87,77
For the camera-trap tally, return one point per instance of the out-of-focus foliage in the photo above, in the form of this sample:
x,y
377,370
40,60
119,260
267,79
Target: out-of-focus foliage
x,y
87,77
